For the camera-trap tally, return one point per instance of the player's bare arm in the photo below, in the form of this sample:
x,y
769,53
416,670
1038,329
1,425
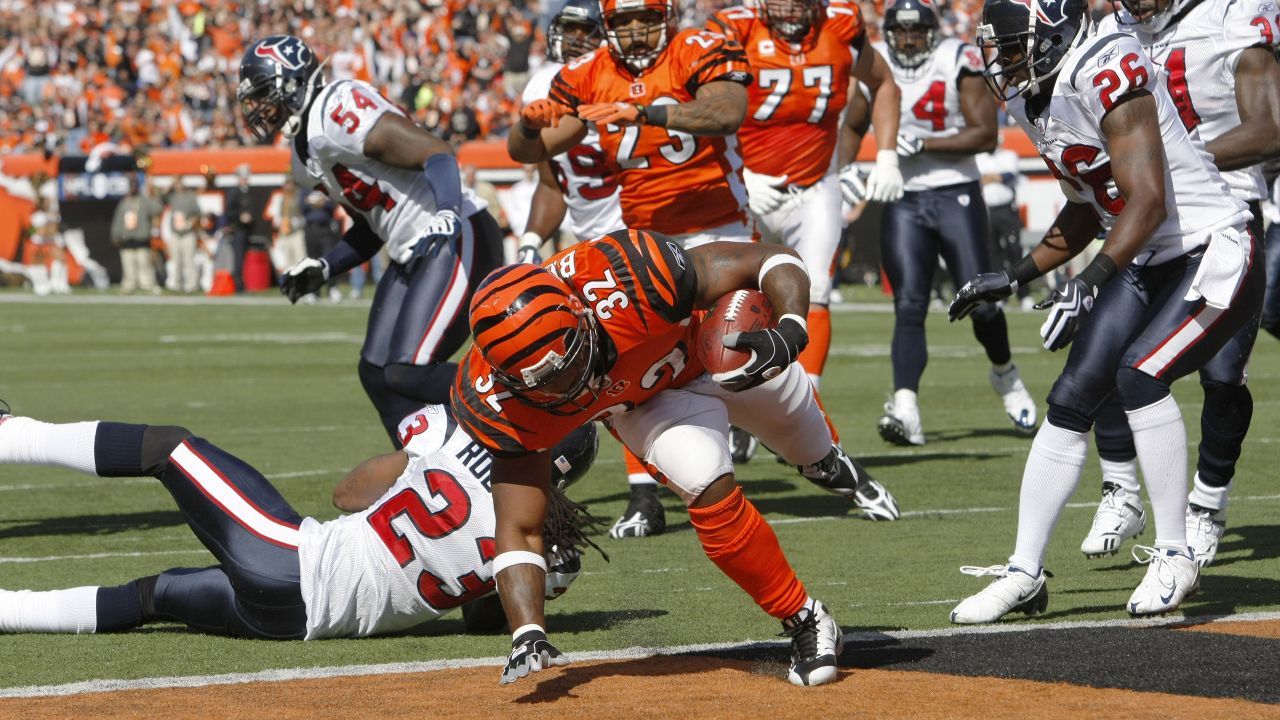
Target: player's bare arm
x,y
1076,226
886,98
520,489
718,108
368,481
722,267
548,206
539,136
396,141
857,121
1257,137
1132,130
980,131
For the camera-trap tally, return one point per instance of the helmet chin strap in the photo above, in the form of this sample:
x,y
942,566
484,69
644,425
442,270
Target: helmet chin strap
x,y
294,122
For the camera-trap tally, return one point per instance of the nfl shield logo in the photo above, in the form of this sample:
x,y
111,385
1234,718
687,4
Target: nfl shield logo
x,y
637,89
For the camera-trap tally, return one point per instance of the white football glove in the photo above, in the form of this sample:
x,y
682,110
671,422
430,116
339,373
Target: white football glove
x,y
531,652
909,145
764,192
304,278
444,229
884,184
528,252
852,186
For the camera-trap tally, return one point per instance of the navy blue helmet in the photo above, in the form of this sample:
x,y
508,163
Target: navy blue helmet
x,y
900,19
583,14
278,78
1025,42
572,457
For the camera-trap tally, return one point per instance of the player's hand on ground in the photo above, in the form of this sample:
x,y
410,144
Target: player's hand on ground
x,y
444,230
772,350
614,113
764,192
884,184
1068,306
852,186
986,287
531,652
304,278
541,114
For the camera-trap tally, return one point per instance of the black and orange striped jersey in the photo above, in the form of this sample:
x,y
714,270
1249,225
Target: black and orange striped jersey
x,y
672,182
798,94
640,287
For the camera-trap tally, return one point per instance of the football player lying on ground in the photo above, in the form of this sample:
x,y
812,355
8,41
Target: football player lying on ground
x,y
604,331
418,543
1177,277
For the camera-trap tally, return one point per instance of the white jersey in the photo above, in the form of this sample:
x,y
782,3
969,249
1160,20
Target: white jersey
x,y
1198,54
397,202
931,108
589,184
423,548
1099,71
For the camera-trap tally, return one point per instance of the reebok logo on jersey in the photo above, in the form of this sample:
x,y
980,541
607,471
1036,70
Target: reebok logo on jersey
x,y
1108,56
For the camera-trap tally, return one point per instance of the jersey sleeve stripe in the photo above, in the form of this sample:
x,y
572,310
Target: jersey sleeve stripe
x,y
1098,47
721,63
562,92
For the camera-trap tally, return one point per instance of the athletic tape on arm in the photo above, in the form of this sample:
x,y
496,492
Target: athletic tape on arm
x,y
518,557
776,260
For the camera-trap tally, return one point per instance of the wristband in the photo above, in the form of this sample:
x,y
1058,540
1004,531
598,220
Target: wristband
x,y
654,114
1025,270
531,627
1102,269
796,319
774,261
527,132
530,239
517,557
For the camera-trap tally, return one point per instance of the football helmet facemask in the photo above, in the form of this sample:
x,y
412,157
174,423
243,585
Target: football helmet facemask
x,y
279,76
630,25
575,31
911,32
1149,16
1025,42
538,337
793,20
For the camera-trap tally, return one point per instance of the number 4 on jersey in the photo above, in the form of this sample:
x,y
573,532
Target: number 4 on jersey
x,y
932,106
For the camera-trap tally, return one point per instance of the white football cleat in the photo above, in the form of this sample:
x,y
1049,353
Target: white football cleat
x,y
816,644
840,474
1204,529
1118,518
901,426
1018,404
1013,589
1171,577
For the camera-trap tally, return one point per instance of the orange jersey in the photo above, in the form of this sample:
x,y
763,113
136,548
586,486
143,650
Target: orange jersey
x,y
795,101
672,182
640,287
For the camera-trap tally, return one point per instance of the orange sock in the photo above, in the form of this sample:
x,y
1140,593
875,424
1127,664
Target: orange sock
x,y
746,549
636,469
814,357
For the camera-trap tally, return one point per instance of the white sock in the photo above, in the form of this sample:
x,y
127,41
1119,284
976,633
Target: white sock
x,y
903,399
1161,440
1123,473
1208,497
641,479
24,441
52,611
1052,473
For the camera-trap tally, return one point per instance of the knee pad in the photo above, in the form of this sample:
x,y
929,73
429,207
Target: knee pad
x,y
158,443
1138,389
910,313
1068,418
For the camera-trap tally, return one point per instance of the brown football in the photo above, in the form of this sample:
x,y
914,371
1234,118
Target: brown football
x,y
738,311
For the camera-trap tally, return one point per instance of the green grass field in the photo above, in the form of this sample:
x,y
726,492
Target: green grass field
x,y
276,385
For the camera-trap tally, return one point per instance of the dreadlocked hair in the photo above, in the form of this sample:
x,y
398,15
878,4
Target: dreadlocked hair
x,y
568,523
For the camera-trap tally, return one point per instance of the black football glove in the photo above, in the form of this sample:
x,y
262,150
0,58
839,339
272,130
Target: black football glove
x,y
772,350
531,652
986,287
1068,306
305,278
444,229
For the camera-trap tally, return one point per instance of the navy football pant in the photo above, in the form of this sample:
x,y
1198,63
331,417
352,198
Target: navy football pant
x,y
418,320
950,222
1228,404
249,527
1142,336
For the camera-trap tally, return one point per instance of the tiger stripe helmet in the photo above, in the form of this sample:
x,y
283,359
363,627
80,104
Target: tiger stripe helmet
x,y
537,335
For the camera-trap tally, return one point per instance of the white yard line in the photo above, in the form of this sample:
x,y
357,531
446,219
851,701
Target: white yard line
x,y
95,556
631,653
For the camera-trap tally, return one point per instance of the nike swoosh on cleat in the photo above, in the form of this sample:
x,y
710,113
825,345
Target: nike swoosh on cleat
x,y
1166,598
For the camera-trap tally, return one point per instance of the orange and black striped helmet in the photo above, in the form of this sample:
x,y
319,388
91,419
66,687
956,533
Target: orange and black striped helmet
x,y
537,335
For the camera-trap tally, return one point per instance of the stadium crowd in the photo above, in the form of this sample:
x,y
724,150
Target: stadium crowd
x,y
161,74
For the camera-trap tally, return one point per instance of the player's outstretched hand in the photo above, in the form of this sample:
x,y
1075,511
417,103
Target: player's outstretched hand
x,y
616,113
541,114
531,652
764,192
1067,307
444,229
304,278
772,350
986,287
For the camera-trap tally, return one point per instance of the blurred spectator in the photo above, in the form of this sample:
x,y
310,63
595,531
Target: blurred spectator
x,y
284,212
46,258
321,231
238,223
181,236
131,230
